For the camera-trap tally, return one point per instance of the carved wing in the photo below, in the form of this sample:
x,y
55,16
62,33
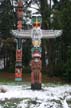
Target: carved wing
x,y
28,33
21,33
51,33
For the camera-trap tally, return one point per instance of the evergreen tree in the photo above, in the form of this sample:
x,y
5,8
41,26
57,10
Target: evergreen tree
x,y
7,19
7,22
66,38
62,20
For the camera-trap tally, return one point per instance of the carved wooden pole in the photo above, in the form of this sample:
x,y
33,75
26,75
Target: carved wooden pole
x,y
18,66
36,50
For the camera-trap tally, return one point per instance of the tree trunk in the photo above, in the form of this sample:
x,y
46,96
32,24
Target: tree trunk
x,y
44,13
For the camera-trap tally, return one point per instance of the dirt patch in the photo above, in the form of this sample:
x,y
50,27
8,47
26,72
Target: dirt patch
x,y
27,77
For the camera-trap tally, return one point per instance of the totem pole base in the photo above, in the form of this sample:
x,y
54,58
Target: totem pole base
x,y
36,86
18,79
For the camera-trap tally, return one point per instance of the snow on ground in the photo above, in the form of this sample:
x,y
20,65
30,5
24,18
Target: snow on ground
x,y
21,96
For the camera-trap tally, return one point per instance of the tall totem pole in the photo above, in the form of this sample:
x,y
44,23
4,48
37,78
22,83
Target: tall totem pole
x,y
18,66
36,50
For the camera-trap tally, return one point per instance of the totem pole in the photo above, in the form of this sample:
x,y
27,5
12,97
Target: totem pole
x,y
36,50
18,66
36,34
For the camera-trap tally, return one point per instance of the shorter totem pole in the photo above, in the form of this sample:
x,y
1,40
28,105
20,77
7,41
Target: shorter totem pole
x,y
36,50
18,66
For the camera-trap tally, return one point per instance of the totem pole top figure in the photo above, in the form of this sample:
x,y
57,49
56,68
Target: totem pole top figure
x,y
36,32
20,3
36,18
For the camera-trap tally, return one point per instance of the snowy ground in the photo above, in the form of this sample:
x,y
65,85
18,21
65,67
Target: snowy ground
x,y
19,95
